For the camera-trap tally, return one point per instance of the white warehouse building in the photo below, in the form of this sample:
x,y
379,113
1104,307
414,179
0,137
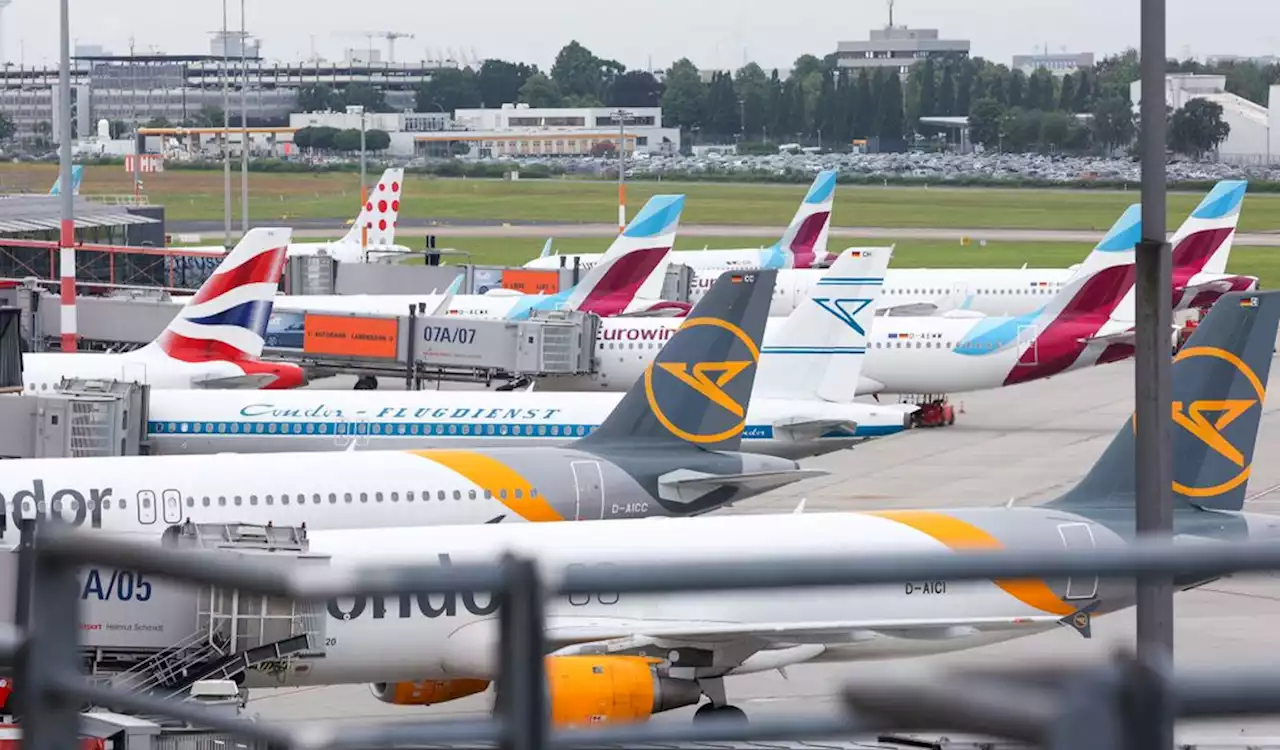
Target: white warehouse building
x,y
521,130
1255,129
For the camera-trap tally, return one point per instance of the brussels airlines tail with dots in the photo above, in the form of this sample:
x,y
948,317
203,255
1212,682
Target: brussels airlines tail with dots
x,y
670,447
620,657
214,342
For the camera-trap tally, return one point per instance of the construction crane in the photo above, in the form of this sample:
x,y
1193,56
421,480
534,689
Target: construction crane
x,y
390,36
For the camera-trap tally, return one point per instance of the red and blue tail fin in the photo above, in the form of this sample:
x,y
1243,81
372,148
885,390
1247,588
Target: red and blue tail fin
x,y
804,244
227,318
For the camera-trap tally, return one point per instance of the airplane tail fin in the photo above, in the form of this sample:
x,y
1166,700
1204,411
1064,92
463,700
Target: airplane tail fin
x,y
546,249
1203,243
1117,246
77,174
697,390
380,212
804,244
1219,386
227,318
823,343
629,269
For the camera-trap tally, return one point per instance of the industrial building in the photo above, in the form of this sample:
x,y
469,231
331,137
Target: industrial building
x,y
1057,63
898,47
1255,129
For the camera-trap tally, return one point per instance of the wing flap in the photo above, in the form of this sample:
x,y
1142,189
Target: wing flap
x,y
805,429
684,485
236,382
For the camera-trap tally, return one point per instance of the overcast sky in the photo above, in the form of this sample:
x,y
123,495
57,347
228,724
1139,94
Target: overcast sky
x,y
712,34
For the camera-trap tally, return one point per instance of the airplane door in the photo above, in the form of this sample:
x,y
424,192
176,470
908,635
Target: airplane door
x,y
146,506
352,431
589,484
171,501
1028,338
1076,536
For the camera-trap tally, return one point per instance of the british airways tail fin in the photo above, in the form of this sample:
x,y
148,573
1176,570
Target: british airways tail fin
x,y
380,212
77,173
1219,386
820,348
697,390
633,269
227,317
804,244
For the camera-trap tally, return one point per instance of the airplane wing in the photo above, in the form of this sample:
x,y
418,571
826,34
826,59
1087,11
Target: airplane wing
x,y
261,380
803,429
685,485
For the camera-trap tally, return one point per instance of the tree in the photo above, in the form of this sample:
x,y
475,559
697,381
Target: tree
x,y
986,121
449,90
928,96
1084,92
1197,128
635,88
864,112
541,91
302,138
154,122
684,98
362,94
348,140
723,116
1114,74
1067,97
947,92
1017,88
889,108
377,140
499,82
752,87
209,116
1113,124
7,127
1055,131
316,97
580,73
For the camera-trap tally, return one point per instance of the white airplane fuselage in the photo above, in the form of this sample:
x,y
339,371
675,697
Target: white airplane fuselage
x,y
44,371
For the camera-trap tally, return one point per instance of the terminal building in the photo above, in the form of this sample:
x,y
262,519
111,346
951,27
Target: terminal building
x,y
897,47
1060,63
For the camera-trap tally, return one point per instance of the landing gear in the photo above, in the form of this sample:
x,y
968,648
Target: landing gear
x,y
935,411
366,383
710,711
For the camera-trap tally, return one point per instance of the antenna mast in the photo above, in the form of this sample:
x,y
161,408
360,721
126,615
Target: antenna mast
x,y
891,2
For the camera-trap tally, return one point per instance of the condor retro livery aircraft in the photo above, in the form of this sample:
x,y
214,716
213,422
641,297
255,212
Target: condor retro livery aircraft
x,y
1201,249
669,448
803,245
622,657
625,282
214,342
798,407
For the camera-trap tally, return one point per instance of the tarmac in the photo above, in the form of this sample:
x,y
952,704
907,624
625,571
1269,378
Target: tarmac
x,y
1024,445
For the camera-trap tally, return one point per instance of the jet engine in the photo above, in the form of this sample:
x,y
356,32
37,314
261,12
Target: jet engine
x,y
612,689
426,692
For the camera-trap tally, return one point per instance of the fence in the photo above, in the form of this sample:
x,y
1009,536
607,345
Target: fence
x,y
1125,705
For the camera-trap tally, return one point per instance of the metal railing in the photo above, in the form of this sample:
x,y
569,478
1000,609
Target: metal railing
x,y
1126,704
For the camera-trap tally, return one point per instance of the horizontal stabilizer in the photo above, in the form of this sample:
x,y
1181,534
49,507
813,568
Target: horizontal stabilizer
x,y
686,486
237,382
904,309
804,429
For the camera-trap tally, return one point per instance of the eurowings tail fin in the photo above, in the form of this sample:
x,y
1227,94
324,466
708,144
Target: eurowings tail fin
x,y
804,244
820,348
380,212
77,174
1203,243
1219,386
697,390
1117,246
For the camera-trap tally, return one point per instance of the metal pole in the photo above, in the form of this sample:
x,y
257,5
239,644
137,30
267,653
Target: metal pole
x,y
1153,291
364,194
244,127
622,169
67,228
226,129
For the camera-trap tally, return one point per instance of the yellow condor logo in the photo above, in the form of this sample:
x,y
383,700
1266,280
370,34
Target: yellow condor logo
x,y
709,380
1196,419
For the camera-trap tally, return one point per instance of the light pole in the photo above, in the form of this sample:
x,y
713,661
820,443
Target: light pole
x,y
623,116
67,228
358,109
244,127
226,131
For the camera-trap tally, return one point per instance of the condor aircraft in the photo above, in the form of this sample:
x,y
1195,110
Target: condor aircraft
x,y
670,447
214,342
803,244
800,407
624,283
1202,247
622,657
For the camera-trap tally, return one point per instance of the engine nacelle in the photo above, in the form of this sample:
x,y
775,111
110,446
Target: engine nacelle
x,y
612,689
426,692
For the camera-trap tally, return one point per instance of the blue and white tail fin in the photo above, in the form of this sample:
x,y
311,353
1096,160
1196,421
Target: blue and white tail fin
x,y
77,174
804,244
227,318
546,249
380,212
818,352
1117,246
1203,243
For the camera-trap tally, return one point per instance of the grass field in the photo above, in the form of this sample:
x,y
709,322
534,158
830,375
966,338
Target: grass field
x,y
1263,262
192,196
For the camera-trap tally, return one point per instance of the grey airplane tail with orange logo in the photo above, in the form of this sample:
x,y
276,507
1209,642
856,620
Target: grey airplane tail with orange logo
x,y
696,391
1219,386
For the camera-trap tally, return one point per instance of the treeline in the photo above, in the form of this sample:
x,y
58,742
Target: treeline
x,y
820,103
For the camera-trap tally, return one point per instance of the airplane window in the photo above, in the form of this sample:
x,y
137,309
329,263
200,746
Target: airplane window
x,y
316,498
471,494
346,497
364,497
502,493
395,497
408,496
488,494
519,494
191,502
206,502
533,492
457,494
377,497
238,500
440,495
284,499
917,344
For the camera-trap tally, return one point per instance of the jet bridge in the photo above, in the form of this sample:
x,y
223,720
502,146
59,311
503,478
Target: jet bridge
x,y
81,418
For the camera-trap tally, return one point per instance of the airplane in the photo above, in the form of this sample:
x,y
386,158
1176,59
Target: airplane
x,y
1201,250
803,244
213,342
671,447
624,283
377,217
798,407
77,174
1083,324
621,657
